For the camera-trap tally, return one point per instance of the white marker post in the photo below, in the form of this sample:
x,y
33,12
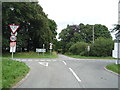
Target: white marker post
x,y
51,48
43,48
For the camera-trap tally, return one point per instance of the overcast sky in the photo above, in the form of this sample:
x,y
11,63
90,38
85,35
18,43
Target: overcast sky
x,y
81,11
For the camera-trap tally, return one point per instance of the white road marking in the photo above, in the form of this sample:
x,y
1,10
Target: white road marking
x,y
64,62
75,75
44,63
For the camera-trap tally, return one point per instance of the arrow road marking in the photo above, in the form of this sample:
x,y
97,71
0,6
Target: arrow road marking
x,y
44,63
75,75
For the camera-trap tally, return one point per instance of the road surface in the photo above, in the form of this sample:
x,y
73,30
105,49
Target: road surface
x,y
66,72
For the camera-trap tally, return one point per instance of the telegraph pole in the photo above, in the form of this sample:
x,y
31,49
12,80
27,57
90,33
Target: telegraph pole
x,y
93,34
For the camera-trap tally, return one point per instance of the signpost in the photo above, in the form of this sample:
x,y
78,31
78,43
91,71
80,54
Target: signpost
x,y
88,49
118,39
12,47
13,38
51,48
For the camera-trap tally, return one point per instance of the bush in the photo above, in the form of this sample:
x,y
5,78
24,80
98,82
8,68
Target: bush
x,y
79,48
102,47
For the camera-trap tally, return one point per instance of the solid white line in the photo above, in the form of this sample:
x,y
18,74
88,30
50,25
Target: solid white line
x,y
64,62
75,75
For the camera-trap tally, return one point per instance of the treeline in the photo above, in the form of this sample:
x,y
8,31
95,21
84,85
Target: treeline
x,y
35,29
75,39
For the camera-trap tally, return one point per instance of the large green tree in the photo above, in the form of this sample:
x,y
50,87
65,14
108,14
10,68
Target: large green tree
x,y
35,27
82,33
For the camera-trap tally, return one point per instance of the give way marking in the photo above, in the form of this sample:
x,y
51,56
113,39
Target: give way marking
x,y
44,64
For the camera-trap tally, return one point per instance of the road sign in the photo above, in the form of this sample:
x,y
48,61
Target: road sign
x,y
40,50
15,34
13,38
14,28
12,44
12,49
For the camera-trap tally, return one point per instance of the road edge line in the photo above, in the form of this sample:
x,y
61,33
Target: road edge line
x,y
23,79
75,75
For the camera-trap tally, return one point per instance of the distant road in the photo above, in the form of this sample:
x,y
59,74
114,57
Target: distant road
x,y
67,72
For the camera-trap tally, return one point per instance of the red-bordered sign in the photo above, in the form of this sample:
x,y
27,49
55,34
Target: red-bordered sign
x,y
14,28
13,38
12,44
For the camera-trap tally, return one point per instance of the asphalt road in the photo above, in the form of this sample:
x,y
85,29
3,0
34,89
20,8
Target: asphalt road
x,y
66,72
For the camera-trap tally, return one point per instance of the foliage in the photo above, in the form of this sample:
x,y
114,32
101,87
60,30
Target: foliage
x,y
79,48
102,47
31,55
12,72
35,27
82,33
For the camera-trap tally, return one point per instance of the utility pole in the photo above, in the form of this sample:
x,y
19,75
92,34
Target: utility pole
x,y
93,34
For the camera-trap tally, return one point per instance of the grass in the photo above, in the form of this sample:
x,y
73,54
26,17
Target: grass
x,y
84,57
31,55
12,72
114,68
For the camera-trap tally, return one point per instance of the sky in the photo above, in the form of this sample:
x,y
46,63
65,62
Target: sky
x,y
65,12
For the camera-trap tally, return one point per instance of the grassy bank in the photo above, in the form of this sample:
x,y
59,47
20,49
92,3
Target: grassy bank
x,y
114,68
12,72
31,55
85,57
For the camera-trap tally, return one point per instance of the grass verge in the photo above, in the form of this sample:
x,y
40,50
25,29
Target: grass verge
x,y
12,72
114,67
31,55
84,57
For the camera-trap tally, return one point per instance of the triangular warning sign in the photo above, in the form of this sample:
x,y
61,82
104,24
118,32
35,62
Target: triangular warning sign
x,y
14,28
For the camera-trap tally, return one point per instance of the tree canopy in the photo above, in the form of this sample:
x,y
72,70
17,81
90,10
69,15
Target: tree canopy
x,y
82,33
35,29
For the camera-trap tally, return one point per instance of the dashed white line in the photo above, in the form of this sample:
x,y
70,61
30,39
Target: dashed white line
x,y
75,75
64,62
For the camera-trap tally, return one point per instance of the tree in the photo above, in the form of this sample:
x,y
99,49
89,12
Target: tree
x,y
102,47
79,48
82,33
35,27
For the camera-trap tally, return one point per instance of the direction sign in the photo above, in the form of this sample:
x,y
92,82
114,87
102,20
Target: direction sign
x,y
40,50
14,28
13,38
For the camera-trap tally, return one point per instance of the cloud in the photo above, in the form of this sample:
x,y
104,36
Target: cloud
x,y
81,11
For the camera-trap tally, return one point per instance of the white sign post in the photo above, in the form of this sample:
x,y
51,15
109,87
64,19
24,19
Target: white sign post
x,y
13,37
12,47
43,48
51,48
88,49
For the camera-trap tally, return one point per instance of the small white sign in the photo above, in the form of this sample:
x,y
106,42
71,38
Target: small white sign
x,y
88,48
40,50
51,45
12,49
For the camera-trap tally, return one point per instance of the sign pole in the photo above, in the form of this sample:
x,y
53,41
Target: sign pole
x,y
12,52
43,48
